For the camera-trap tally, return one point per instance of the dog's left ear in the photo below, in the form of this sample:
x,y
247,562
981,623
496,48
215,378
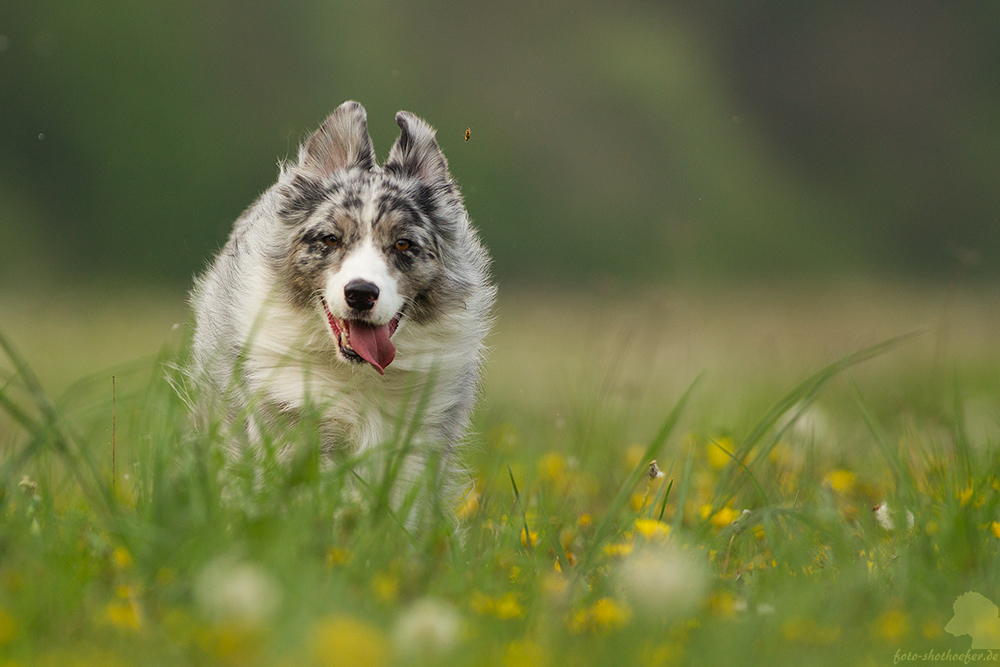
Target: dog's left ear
x,y
341,142
416,152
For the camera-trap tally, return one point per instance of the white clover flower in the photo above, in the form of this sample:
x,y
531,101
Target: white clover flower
x,y
426,629
231,590
663,580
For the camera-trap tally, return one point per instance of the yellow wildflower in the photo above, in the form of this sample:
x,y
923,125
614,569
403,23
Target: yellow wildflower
x,y
965,495
508,607
122,615
602,617
125,592
610,615
724,604
638,501
892,625
385,586
841,481
724,517
526,653
8,627
618,549
651,529
338,556
342,640
585,521
995,529
528,538
552,467
504,608
717,458
121,558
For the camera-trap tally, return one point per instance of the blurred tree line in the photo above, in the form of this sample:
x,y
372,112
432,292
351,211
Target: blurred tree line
x,y
610,142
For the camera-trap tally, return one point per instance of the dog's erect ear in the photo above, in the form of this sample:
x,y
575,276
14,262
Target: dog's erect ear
x,y
341,142
416,152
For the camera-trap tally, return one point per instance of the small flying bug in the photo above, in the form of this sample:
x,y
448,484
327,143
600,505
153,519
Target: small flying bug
x,y
468,133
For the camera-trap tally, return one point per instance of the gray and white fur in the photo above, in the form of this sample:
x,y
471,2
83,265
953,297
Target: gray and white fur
x,y
350,289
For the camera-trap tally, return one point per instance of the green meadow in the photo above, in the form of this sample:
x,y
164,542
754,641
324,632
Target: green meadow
x,y
825,489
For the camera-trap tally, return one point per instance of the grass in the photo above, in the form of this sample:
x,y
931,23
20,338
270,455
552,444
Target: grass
x,y
780,423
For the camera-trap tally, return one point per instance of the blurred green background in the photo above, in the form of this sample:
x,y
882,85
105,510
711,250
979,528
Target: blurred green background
x,y
612,143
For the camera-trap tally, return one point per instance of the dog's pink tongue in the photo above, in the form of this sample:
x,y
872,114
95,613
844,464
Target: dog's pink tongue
x,y
371,343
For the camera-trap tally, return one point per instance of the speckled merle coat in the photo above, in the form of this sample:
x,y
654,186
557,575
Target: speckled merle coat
x,y
344,291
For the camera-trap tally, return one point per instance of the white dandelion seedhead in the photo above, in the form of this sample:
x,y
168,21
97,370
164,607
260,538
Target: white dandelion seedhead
x,y
231,590
664,580
428,628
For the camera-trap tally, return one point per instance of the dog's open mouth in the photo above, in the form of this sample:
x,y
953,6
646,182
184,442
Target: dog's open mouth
x,y
363,341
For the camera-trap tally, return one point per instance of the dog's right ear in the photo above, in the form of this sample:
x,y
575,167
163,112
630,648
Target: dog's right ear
x,y
341,142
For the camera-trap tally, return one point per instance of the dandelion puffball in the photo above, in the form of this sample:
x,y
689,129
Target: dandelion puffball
x,y
229,590
663,580
428,628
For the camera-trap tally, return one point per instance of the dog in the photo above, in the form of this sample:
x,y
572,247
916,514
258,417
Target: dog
x,y
345,291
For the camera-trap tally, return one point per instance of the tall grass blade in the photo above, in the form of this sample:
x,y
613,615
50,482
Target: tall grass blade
x,y
682,493
52,431
901,476
663,505
963,450
396,459
753,480
607,524
524,512
553,536
802,395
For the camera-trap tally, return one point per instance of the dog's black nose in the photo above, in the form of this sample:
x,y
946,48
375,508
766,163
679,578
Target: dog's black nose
x,y
361,294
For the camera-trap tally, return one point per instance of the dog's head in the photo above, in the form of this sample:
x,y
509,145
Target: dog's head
x,y
367,248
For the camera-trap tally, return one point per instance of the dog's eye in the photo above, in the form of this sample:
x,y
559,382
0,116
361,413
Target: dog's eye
x,y
331,240
404,244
